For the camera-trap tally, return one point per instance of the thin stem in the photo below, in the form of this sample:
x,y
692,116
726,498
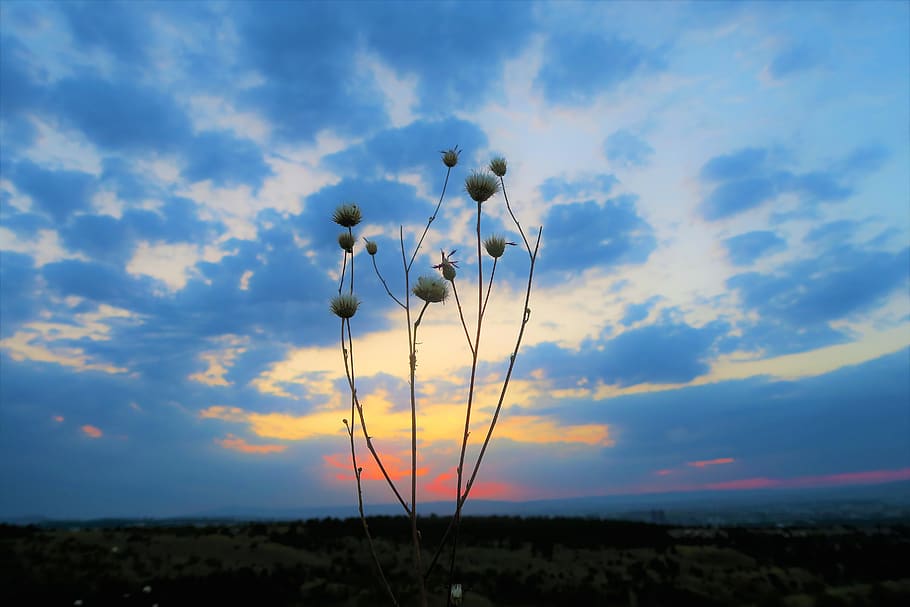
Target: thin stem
x,y
524,321
429,221
470,484
490,286
351,284
357,470
461,316
467,417
387,290
355,403
344,265
515,219
412,363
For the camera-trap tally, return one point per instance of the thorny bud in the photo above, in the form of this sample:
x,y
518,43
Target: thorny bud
x,y
496,245
345,306
481,185
448,271
450,157
447,266
431,289
347,215
371,246
346,241
498,166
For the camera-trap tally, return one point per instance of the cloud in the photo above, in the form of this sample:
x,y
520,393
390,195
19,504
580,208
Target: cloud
x,y
638,312
794,59
225,159
413,148
91,431
587,234
625,149
825,480
121,31
584,186
99,282
579,66
457,62
121,116
58,193
832,234
711,462
806,295
865,159
239,444
663,353
812,425
305,55
744,249
750,177
18,286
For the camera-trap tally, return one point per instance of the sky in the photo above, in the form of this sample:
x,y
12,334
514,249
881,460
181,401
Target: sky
x,y
721,299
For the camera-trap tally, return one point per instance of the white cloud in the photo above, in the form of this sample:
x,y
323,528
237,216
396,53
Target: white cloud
x,y
170,263
44,249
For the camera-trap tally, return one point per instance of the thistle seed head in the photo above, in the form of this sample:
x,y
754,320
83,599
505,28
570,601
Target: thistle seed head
x,y
481,185
371,246
450,157
345,305
431,289
346,241
498,166
347,215
495,246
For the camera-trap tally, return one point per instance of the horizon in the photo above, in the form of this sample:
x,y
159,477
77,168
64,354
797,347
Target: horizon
x,y
721,301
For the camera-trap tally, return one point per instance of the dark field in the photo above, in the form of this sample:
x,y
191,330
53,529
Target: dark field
x,y
504,561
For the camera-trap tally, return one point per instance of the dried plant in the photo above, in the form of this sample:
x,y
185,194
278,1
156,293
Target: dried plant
x,y
481,186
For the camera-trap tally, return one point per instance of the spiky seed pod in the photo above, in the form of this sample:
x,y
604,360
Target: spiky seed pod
x,y
498,166
481,185
346,241
345,305
450,157
448,270
371,246
347,215
495,246
431,289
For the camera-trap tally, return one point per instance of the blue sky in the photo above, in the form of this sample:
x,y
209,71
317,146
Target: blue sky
x,y
721,298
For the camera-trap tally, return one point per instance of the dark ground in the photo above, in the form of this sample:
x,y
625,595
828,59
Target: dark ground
x,y
502,561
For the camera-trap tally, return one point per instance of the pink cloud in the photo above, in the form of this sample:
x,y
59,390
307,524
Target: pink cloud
x,y
58,418
844,478
711,462
91,431
396,467
664,472
238,444
444,487
745,483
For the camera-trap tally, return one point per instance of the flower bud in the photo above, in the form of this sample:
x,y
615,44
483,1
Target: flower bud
x,y
498,166
371,246
448,271
450,157
431,289
345,306
481,186
347,215
346,241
